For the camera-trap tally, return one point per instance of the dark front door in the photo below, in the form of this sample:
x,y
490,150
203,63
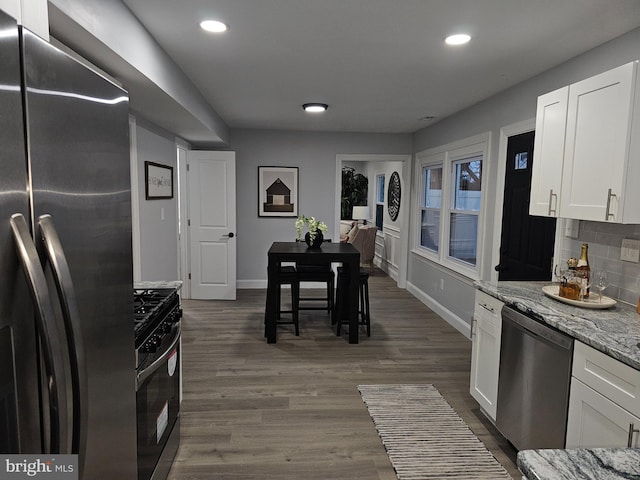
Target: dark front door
x,y
526,247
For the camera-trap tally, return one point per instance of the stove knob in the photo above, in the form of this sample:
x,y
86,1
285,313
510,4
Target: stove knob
x,y
175,316
149,347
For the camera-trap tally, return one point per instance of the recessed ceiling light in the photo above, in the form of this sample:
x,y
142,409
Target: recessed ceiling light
x,y
213,26
315,107
457,39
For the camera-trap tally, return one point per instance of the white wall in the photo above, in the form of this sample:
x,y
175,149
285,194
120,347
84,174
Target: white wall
x,y
158,219
455,300
32,14
110,36
314,154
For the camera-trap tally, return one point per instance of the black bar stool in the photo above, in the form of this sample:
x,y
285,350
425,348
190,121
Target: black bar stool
x,y
289,276
364,312
317,273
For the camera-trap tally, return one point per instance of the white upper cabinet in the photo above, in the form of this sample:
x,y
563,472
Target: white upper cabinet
x,y
600,155
599,136
548,153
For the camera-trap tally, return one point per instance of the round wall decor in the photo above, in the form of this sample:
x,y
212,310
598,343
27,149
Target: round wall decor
x,y
393,196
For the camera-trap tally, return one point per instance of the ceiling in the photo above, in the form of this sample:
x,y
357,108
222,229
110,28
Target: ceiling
x,y
380,65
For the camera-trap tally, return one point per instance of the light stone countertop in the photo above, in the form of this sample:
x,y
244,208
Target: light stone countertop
x,y
614,331
149,285
580,464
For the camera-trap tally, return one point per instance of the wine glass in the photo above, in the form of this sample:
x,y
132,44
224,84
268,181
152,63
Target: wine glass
x,y
599,281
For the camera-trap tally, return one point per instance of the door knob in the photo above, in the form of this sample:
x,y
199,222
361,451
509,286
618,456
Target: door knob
x,y
230,235
498,268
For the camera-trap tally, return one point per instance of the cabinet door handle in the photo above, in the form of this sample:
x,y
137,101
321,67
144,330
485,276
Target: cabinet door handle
x,y
631,432
609,196
551,197
487,307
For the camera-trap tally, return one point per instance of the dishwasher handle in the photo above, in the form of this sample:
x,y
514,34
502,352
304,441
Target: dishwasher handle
x,y
537,328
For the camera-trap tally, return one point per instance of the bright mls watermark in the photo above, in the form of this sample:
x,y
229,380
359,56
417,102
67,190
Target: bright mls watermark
x,y
51,467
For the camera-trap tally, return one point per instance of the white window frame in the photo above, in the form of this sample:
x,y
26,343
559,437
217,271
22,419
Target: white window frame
x,y
432,161
377,198
447,156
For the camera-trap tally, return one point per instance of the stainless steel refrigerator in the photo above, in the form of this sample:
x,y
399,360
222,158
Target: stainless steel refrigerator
x,y
67,379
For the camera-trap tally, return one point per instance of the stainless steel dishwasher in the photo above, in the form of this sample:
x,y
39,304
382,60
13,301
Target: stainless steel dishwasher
x,y
533,384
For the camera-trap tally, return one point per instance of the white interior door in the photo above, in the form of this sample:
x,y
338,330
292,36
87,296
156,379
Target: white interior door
x,y
212,224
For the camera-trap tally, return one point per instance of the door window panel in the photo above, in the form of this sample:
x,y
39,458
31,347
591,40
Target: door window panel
x,y
522,160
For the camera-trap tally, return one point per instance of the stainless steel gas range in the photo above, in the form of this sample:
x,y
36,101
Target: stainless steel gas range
x,y
157,315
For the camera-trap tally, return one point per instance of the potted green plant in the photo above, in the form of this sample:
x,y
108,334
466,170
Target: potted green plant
x,y
314,237
355,188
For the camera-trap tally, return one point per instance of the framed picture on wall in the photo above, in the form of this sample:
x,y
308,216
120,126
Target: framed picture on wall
x,y
158,181
277,191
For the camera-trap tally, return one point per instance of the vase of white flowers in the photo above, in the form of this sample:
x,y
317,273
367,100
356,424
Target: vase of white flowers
x,y
314,237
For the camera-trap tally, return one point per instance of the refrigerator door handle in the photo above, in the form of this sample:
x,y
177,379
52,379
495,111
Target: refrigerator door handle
x,y
46,325
75,343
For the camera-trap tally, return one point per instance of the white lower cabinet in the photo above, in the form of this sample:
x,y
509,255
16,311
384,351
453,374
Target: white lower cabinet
x,y
604,406
595,421
485,352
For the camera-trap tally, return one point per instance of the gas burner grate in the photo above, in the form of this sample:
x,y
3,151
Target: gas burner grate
x,y
149,306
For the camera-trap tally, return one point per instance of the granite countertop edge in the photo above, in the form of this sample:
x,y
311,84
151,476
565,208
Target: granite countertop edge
x,y
583,463
150,284
614,331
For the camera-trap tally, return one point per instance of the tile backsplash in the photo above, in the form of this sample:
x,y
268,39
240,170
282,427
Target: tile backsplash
x,y
605,240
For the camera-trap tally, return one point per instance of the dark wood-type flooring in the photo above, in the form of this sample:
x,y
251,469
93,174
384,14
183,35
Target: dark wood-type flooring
x,y
291,410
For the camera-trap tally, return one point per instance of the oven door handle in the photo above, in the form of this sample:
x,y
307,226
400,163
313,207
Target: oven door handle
x,y
151,369
48,333
75,344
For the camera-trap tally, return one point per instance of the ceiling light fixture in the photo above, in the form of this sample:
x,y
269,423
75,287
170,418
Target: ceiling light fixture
x,y
213,26
315,107
457,39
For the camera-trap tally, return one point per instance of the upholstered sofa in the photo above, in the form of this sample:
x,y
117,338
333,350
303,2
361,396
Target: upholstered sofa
x,y
363,237
345,228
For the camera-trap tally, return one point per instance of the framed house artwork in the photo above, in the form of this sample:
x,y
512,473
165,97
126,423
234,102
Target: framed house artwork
x,y
277,191
158,180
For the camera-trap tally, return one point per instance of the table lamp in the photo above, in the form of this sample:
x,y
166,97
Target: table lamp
x,y
361,213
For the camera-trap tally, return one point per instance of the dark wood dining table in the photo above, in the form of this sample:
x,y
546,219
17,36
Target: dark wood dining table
x,y
344,253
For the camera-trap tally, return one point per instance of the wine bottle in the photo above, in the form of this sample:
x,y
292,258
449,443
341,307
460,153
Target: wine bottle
x,y
583,271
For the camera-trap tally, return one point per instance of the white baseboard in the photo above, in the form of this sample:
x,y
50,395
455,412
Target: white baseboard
x,y
250,284
387,267
451,318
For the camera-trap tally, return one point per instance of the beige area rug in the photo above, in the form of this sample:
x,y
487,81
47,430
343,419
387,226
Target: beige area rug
x,y
424,436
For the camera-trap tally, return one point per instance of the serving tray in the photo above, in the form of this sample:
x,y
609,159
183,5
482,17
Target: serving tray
x,y
593,302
